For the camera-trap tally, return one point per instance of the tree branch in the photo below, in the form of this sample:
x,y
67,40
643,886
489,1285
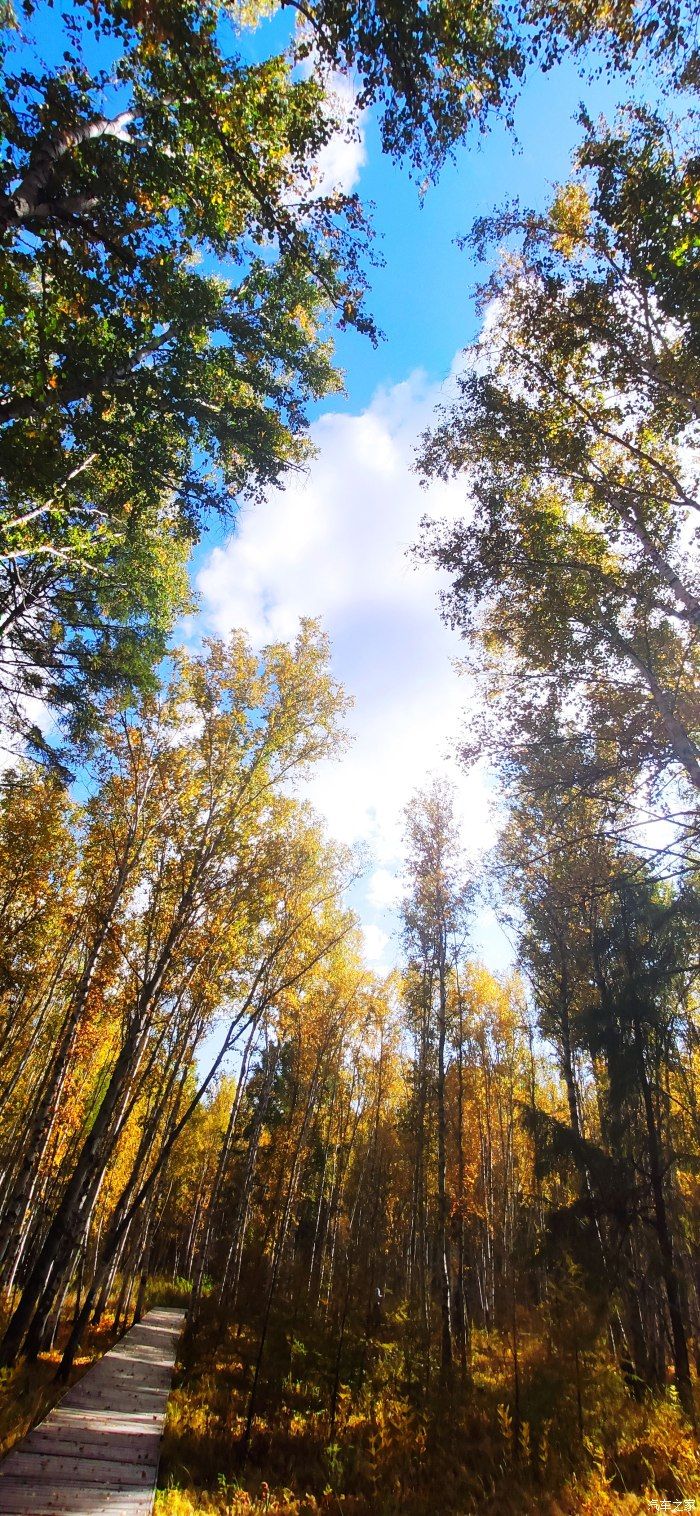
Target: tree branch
x,y
16,407
26,201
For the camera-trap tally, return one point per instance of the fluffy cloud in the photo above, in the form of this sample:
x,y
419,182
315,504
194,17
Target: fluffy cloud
x,y
375,942
335,545
384,891
340,162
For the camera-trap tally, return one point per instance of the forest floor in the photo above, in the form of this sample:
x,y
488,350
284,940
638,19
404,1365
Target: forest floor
x,y
396,1452
395,1449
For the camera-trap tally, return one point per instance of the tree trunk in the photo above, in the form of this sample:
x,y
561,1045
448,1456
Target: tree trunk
x,y
443,1238
681,1361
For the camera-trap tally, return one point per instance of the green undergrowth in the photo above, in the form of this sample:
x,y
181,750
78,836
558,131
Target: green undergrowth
x,y
397,1447
168,1292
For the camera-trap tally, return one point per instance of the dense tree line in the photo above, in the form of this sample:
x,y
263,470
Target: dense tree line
x,y
185,894
434,1154
459,1153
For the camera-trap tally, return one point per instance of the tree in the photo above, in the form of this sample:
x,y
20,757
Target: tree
x,y
168,272
190,841
436,70
434,916
641,959
573,575
608,950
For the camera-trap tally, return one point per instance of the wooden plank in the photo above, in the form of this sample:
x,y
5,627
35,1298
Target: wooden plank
x,y
96,1453
84,1467
124,1446
136,1423
144,1402
24,1499
127,1373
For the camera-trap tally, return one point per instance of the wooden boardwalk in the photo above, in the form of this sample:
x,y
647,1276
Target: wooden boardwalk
x,y
96,1453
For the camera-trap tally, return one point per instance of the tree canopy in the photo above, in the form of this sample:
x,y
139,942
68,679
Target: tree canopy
x,y
575,432
171,269
168,272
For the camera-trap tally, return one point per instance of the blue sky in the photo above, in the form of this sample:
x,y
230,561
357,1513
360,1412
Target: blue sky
x,y
423,296
335,543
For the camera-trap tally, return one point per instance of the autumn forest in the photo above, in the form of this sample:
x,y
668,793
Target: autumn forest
x,y
436,1229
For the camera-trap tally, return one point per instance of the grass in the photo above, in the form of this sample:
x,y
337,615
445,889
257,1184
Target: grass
x,y
168,1292
394,1452
395,1449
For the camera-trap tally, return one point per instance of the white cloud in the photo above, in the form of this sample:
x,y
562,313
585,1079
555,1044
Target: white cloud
x,y
384,890
31,711
334,545
375,941
340,162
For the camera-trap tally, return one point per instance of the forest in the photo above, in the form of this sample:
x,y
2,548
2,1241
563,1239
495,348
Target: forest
x,y
436,1229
